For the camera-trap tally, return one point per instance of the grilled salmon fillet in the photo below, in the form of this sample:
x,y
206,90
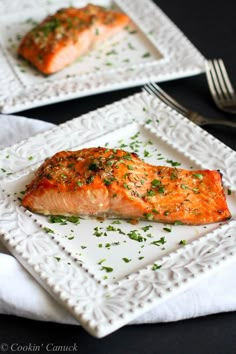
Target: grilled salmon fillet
x,y
110,182
70,32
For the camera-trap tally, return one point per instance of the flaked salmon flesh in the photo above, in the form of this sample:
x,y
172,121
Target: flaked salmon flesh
x,y
63,37
113,182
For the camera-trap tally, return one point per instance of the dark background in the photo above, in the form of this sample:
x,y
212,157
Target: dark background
x,y
211,26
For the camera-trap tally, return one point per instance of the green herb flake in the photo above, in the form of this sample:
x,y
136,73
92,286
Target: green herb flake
x,y
146,153
150,193
173,163
80,184
57,220
93,166
173,176
167,229
178,222
146,228
198,175
70,237
58,259
90,179
130,45
73,219
182,242
136,236
130,167
161,190
126,260
111,228
156,266
48,230
148,216
155,183
102,261
229,192
159,242
146,55
107,269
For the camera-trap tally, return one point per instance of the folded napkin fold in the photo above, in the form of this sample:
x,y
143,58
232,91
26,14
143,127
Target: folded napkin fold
x,y
21,295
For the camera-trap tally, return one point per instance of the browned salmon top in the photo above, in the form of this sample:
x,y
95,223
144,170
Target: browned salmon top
x,y
61,38
110,182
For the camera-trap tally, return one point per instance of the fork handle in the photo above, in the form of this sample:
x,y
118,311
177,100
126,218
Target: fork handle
x,y
201,120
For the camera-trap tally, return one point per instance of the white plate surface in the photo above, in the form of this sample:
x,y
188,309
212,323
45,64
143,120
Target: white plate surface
x,y
101,275
151,48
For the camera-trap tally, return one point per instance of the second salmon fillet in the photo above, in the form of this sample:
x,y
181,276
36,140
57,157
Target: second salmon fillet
x,y
109,182
63,37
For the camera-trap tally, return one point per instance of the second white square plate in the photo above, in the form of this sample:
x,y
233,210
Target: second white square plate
x,y
151,48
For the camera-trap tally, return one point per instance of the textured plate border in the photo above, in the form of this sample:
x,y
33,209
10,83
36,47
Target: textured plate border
x,y
180,59
102,308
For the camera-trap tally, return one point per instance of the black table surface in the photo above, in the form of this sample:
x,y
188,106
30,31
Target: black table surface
x,y
211,26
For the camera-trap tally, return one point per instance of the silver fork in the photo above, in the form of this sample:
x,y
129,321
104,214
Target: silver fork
x,y
155,90
220,86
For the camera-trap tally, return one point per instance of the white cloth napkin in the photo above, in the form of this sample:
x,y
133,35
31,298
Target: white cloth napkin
x,y
21,295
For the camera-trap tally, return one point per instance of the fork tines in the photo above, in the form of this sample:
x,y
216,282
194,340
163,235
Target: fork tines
x,y
155,90
220,86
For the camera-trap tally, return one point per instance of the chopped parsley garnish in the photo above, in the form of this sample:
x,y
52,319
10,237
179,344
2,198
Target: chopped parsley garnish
x,y
148,216
57,220
198,175
136,236
73,219
178,222
146,228
161,190
93,166
48,230
126,260
183,242
156,266
102,261
173,163
173,176
111,228
107,269
71,238
146,55
159,242
90,179
80,184
155,183
150,193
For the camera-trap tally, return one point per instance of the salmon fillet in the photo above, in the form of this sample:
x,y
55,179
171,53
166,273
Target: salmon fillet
x,y
70,32
109,182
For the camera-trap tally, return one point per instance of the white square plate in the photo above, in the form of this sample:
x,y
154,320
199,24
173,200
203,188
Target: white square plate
x,y
93,268
151,48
